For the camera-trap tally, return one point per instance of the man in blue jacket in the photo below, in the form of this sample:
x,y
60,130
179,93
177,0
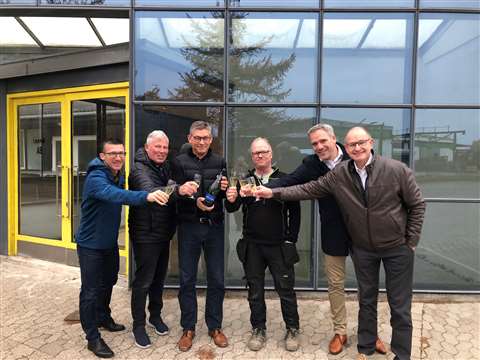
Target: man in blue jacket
x,y
96,238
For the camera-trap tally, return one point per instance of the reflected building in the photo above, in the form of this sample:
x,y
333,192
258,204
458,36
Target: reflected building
x,y
76,72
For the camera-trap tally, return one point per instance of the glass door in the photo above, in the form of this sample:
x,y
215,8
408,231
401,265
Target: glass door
x,y
40,171
53,135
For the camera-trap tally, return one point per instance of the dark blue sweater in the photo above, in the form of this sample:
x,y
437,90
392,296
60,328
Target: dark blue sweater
x,y
102,202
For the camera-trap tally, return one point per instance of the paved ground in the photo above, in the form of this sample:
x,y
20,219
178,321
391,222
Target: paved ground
x,y
36,296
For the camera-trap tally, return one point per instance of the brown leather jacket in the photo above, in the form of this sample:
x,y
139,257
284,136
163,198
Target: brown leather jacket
x,y
388,214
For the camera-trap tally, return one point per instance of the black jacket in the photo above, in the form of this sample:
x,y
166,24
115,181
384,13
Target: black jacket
x,y
184,167
152,222
335,238
268,221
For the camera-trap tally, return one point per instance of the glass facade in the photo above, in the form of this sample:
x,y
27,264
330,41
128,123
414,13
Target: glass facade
x,y
408,75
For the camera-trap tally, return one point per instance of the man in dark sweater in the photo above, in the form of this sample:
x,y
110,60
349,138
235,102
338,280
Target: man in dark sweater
x,y
200,227
96,238
151,228
270,231
334,235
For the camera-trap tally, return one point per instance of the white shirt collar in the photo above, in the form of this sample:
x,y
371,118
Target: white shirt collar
x,y
370,159
332,163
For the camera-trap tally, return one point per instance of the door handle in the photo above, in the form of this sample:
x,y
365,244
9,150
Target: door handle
x,y
57,198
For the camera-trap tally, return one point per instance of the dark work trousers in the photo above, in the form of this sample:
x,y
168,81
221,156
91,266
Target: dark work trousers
x,y
99,273
192,238
258,258
398,265
151,261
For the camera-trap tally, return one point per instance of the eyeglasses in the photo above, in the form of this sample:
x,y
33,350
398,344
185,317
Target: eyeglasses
x,y
116,154
262,152
200,138
360,143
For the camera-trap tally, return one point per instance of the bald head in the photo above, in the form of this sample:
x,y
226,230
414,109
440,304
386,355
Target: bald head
x,y
359,143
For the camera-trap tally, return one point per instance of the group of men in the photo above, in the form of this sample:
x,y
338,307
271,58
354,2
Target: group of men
x,y
370,207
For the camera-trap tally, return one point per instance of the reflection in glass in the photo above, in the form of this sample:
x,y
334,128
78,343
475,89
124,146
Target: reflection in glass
x,y
86,2
93,121
18,2
367,58
62,31
176,121
273,57
186,3
290,145
390,128
447,153
447,256
274,3
448,58
458,4
369,3
40,171
179,56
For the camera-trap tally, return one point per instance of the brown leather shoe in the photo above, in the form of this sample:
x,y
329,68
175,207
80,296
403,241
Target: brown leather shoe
x,y
380,347
219,338
185,342
336,344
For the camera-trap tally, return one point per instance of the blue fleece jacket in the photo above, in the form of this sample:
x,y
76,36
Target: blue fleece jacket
x,y
102,202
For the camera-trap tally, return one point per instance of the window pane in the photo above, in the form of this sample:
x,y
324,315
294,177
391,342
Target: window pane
x,y
369,3
448,59
179,56
475,4
18,2
447,256
62,31
275,3
389,127
176,121
113,31
273,57
13,34
86,3
447,153
183,3
290,145
367,58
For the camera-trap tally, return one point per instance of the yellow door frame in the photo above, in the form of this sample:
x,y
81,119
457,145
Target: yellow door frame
x,y
64,97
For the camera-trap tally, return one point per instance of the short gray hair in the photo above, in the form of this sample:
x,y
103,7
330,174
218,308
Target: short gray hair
x,y
156,134
325,127
200,125
260,139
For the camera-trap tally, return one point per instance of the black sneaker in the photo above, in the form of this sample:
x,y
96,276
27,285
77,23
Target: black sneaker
x,y
160,327
141,338
100,348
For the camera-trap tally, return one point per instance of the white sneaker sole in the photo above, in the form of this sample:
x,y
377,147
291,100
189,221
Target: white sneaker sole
x,y
141,346
156,331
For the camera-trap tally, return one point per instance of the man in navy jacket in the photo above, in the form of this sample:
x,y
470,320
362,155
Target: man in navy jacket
x,y
334,235
96,238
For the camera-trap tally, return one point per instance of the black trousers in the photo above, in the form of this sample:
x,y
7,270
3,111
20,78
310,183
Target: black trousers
x,y
99,272
257,260
398,265
151,260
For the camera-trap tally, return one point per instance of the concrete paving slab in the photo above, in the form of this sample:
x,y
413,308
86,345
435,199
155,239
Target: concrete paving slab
x,y
36,296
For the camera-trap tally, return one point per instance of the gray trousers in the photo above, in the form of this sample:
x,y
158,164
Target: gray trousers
x,y
398,265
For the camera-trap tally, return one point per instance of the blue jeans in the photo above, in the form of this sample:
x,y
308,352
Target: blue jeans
x,y
192,238
99,273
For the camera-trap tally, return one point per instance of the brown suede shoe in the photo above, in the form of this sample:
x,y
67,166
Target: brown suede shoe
x,y
185,342
336,344
380,347
219,338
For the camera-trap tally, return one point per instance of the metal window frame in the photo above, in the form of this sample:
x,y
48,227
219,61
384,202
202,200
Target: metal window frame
x,y
317,104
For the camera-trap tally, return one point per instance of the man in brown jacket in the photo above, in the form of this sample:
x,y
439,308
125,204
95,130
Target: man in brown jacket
x,y
383,210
